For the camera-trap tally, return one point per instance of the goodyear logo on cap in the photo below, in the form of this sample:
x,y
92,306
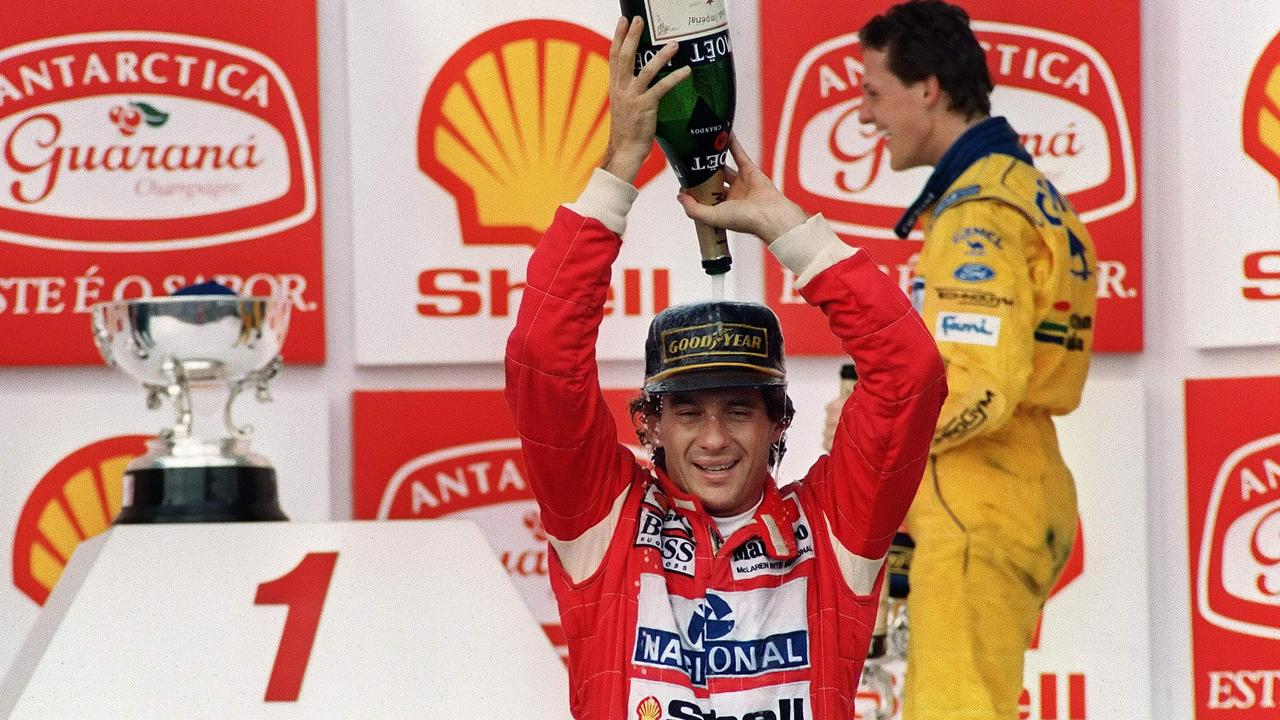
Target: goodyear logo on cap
x,y
715,339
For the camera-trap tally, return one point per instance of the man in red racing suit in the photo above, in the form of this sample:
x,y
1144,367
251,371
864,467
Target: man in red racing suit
x,y
670,608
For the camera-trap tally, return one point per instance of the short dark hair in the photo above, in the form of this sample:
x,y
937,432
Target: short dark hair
x,y
777,406
931,37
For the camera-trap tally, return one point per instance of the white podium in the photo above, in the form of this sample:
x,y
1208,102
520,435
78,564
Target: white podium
x,y
286,620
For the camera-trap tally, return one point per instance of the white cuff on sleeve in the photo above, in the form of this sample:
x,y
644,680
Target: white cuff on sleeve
x,y
606,198
810,248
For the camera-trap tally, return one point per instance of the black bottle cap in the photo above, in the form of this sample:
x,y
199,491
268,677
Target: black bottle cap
x,y
717,266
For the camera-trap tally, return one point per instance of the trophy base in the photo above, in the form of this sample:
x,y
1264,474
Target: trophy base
x,y
227,493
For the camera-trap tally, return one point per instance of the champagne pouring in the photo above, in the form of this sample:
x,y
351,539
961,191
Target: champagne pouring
x,y
695,119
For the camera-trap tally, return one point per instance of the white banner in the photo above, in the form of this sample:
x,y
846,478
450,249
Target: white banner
x,y
63,475
468,129
1229,162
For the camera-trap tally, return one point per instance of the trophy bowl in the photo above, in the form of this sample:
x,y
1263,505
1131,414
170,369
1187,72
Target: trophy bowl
x,y
216,338
188,350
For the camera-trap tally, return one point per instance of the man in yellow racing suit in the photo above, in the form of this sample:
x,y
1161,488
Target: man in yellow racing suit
x,y
1007,283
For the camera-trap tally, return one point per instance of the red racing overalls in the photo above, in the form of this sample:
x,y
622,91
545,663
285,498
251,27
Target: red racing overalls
x,y
664,618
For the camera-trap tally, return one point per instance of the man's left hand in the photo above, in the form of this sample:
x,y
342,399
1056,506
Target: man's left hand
x,y
633,105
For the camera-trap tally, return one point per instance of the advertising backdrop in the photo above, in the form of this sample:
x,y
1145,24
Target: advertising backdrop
x,y
150,146
1091,659
1229,164
1067,83
1233,538
465,464
63,478
467,131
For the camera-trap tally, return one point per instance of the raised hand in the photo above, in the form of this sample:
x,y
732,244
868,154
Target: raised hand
x,y
633,104
752,204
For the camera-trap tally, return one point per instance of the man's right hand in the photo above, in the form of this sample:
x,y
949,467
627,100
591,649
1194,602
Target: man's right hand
x,y
752,204
633,105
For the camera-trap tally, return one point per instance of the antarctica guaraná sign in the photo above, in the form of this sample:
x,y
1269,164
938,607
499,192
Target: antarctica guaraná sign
x,y
136,161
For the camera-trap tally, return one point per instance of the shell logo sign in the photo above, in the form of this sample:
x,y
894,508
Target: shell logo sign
x,y
1238,583
1076,129
77,499
131,141
514,124
1261,134
1261,120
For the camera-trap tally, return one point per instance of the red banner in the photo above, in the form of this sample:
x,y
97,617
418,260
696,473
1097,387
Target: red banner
x,y
1068,84
146,147
1233,499
455,454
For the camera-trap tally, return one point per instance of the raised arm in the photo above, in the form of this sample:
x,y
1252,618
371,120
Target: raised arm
x,y
882,440
566,431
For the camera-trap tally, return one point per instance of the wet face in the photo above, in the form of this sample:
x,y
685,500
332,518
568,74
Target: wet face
x,y
716,444
899,111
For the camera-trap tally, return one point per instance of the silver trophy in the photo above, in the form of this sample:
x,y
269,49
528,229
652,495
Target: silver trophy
x,y
197,352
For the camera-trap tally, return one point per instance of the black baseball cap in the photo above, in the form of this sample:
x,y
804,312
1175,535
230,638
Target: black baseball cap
x,y
713,344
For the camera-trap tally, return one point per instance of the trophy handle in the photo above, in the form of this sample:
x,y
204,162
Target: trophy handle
x,y
261,380
177,391
102,338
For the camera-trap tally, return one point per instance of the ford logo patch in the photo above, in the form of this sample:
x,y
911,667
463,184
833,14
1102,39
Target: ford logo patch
x,y
973,272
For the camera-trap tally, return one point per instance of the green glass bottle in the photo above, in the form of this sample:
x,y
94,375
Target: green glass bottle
x,y
696,117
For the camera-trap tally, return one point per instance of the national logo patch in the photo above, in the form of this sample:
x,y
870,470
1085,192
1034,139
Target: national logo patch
x,y
723,634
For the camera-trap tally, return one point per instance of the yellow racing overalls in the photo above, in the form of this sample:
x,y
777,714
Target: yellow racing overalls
x,y
1007,283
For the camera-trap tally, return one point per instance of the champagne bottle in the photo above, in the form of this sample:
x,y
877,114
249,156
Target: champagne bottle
x,y
696,117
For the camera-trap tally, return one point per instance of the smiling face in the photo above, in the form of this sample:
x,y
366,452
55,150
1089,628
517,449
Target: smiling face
x,y
716,444
903,112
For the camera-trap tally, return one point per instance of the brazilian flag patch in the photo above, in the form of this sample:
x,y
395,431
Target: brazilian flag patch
x,y
1049,332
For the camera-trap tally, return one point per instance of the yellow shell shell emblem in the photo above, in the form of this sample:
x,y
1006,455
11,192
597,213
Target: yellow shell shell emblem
x,y
77,499
513,125
649,709
1262,110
